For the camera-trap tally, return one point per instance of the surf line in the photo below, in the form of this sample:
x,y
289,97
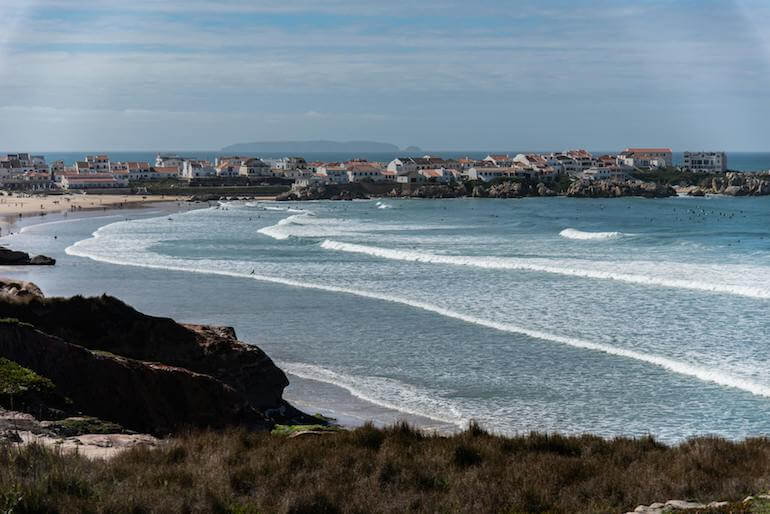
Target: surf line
x,y
703,374
503,263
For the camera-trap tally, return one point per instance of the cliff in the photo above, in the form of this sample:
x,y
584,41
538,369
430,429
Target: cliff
x,y
146,373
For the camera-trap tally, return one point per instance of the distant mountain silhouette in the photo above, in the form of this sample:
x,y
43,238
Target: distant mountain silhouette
x,y
299,147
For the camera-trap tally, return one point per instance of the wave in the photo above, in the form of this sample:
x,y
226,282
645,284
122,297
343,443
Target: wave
x,y
572,268
281,209
381,391
714,376
308,225
278,231
382,205
73,220
571,233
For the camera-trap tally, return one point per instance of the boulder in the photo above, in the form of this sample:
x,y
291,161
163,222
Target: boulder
x,y
19,289
42,260
14,258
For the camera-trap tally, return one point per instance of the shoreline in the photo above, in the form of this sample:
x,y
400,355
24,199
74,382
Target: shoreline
x,y
335,401
14,208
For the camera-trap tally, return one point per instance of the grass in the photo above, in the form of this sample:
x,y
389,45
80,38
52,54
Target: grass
x,y
84,425
24,390
16,380
396,469
287,430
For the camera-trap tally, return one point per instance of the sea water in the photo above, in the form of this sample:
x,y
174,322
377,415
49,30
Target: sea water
x,y
617,317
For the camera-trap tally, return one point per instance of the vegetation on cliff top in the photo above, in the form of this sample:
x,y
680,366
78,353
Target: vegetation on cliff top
x,y
15,379
396,469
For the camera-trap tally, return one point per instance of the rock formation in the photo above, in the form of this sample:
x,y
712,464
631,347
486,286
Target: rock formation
x,y
146,373
13,258
320,193
615,189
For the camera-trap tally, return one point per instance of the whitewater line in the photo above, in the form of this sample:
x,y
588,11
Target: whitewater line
x,y
703,374
72,220
508,263
320,374
572,233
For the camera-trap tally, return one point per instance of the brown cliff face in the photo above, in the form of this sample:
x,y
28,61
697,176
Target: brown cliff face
x,y
146,373
142,396
109,325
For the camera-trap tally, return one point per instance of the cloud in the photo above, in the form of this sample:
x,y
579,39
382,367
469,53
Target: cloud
x,y
363,65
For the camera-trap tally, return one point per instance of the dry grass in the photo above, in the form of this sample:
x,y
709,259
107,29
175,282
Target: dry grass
x,y
397,469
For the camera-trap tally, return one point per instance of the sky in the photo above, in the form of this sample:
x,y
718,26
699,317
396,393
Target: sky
x,y
439,74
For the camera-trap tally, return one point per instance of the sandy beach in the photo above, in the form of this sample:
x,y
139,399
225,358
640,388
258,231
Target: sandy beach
x,y
26,205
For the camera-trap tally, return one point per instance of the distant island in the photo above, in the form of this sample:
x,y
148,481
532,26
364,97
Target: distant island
x,y
297,147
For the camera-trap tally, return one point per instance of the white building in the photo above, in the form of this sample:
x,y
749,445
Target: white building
x,y
98,163
501,161
167,161
290,163
197,169
486,174
410,177
92,181
606,173
646,157
705,162
334,174
441,175
255,168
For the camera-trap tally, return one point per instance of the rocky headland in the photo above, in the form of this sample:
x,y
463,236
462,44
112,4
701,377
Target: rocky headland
x,y
730,184
496,189
69,359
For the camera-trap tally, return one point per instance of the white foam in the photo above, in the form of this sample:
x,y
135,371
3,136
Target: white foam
x,y
568,267
571,233
310,226
73,220
166,263
384,392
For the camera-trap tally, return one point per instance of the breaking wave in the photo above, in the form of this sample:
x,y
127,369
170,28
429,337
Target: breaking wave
x,y
384,392
136,254
571,233
572,268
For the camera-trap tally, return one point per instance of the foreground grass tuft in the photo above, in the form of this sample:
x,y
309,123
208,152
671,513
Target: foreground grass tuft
x,y
394,469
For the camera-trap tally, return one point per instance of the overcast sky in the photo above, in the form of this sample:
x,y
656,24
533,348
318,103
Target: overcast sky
x,y
440,74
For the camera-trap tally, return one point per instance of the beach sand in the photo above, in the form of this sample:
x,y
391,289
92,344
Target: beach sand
x,y
16,206
25,205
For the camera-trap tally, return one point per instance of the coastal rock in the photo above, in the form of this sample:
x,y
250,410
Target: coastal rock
x,y
321,193
436,191
14,258
19,289
479,192
507,189
42,260
735,191
105,324
543,190
615,189
143,396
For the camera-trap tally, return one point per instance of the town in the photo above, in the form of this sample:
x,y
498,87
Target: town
x,y
25,172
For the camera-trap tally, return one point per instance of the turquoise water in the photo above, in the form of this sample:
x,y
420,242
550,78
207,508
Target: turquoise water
x,y
626,316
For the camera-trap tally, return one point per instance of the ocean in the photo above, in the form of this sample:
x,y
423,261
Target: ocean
x,y
616,317
737,161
